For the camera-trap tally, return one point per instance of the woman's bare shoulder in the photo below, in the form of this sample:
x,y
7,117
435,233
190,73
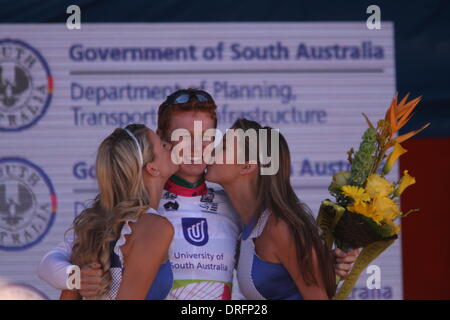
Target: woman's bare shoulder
x,y
153,227
278,230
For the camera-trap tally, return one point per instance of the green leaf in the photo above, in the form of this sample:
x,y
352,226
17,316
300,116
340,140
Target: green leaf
x,y
364,158
329,215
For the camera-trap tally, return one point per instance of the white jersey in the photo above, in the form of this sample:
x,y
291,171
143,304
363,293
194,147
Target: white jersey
x,y
202,254
203,251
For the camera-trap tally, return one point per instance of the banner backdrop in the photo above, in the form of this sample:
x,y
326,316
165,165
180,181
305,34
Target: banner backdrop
x,y
62,91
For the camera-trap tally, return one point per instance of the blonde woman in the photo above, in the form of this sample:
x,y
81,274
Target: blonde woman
x,y
122,227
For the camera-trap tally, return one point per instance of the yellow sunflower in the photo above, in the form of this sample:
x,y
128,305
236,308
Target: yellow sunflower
x,y
386,208
357,194
377,186
367,210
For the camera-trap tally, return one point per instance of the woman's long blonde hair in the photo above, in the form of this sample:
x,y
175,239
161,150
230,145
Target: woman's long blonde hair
x,y
122,196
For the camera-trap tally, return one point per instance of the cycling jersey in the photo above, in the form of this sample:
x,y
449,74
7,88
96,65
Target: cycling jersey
x,y
203,250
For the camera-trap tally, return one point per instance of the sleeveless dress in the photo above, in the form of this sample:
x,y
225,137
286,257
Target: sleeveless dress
x,y
259,279
162,283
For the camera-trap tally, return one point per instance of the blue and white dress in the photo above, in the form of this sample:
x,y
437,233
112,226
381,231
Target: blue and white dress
x,y
162,282
259,279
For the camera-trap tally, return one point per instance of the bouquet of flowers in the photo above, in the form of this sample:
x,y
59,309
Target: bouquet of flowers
x,y
366,204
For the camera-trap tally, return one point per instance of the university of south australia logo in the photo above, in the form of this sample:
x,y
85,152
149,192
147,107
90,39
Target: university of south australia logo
x,y
26,85
195,231
27,204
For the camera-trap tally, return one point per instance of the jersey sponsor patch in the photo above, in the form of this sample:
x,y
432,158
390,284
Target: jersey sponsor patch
x,y
169,195
195,231
208,197
171,206
209,207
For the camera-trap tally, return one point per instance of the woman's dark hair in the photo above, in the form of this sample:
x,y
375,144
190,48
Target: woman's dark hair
x,y
275,193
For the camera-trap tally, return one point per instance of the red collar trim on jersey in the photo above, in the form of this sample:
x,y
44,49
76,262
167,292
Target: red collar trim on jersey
x,y
183,188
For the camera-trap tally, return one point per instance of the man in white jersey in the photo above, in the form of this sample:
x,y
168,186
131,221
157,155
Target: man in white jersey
x,y
203,251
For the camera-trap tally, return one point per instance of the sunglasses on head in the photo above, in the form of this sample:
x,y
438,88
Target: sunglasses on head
x,y
185,96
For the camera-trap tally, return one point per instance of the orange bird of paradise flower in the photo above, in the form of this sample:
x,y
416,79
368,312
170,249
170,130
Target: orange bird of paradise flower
x,y
398,114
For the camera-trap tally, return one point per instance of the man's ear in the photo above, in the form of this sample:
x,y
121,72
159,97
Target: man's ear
x,y
151,169
164,138
248,168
